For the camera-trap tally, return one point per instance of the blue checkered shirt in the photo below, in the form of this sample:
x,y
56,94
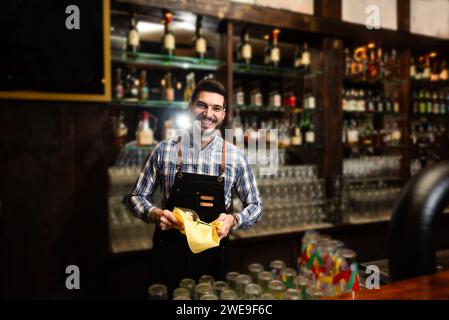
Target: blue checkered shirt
x,y
160,171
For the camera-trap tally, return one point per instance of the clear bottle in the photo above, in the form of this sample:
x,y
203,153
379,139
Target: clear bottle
x,y
168,39
267,50
246,49
119,90
306,58
275,54
199,42
143,86
133,39
169,90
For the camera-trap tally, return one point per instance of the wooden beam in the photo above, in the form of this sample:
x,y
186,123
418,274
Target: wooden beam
x,y
403,15
328,9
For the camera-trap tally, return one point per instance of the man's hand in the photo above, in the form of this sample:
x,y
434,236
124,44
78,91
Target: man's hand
x,y
164,219
227,223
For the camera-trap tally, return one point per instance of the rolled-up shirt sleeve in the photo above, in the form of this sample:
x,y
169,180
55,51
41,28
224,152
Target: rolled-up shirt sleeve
x,y
246,190
139,200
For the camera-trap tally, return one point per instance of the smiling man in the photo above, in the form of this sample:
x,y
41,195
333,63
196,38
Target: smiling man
x,y
197,170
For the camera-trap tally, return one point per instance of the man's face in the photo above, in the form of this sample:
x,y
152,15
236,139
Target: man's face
x,y
208,110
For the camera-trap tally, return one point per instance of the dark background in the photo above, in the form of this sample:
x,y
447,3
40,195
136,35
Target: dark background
x,y
39,53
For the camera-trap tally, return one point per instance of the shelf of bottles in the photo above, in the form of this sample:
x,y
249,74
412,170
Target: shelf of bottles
x,y
372,113
429,123
269,91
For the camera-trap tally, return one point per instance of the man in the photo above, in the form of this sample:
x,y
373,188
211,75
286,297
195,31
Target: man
x,y
198,174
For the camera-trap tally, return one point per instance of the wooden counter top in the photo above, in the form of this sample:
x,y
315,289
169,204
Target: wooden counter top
x,y
431,287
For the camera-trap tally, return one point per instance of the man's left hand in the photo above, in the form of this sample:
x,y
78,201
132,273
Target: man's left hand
x,y
227,223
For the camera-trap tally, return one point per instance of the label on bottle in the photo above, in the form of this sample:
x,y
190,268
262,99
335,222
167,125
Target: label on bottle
x,y
200,45
412,71
169,41
311,102
133,38
310,137
246,51
444,75
396,136
145,137
275,55
258,99
169,94
298,62
119,91
297,139
426,73
277,101
240,98
361,105
353,136
344,104
306,58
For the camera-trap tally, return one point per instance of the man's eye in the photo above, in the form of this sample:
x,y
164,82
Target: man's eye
x,y
217,109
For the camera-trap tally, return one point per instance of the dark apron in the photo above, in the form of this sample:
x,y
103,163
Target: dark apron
x,y
172,259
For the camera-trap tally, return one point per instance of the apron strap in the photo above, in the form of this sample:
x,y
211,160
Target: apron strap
x,y
178,155
223,158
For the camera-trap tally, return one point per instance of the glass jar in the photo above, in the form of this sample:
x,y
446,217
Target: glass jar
x,y
253,291
242,281
157,291
181,293
219,287
263,278
189,284
202,289
254,270
276,288
276,267
231,279
228,294
287,277
206,279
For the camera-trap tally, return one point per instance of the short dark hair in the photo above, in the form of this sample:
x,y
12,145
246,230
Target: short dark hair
x,y
210,85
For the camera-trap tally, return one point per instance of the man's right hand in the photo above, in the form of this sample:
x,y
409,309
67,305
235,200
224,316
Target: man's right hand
x,y
164,219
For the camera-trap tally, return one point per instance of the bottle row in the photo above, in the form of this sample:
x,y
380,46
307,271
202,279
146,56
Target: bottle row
x,y
360,100
368,63
426,102
363,132
272,52
274,98
296,131
425,134
427,68
135,87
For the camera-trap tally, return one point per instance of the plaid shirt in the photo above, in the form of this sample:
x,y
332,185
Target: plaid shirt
x,y
161,167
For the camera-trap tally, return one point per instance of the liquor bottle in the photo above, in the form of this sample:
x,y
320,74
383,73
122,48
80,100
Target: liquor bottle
x,y
168,39
429,104
133,40
306,58
119,91
361,103
435,104
444,75
267,50
256,96
443,105
373,70
412,69
239,95
422,103
419,68
190,87
169,91
304,125
199,42
297,58
396,106
379,63
386,74
309,101
275,98
310,134
344,100
348,63
275,54
426,70
394,64
370,106
290,99
143,88
120,130
246,49
132,85
144,133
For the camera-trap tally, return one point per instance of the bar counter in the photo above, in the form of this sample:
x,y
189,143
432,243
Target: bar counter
x,y
430,287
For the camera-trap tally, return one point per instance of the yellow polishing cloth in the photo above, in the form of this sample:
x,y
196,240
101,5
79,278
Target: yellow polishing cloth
x,y
200,236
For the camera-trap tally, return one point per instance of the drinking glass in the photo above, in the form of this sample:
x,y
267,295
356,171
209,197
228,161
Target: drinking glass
x,y
157,291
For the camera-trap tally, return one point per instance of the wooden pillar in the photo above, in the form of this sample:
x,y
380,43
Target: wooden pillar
x,y
328,8
403,15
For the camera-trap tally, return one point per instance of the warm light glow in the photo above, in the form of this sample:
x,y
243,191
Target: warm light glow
x,y
371,45
433,54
